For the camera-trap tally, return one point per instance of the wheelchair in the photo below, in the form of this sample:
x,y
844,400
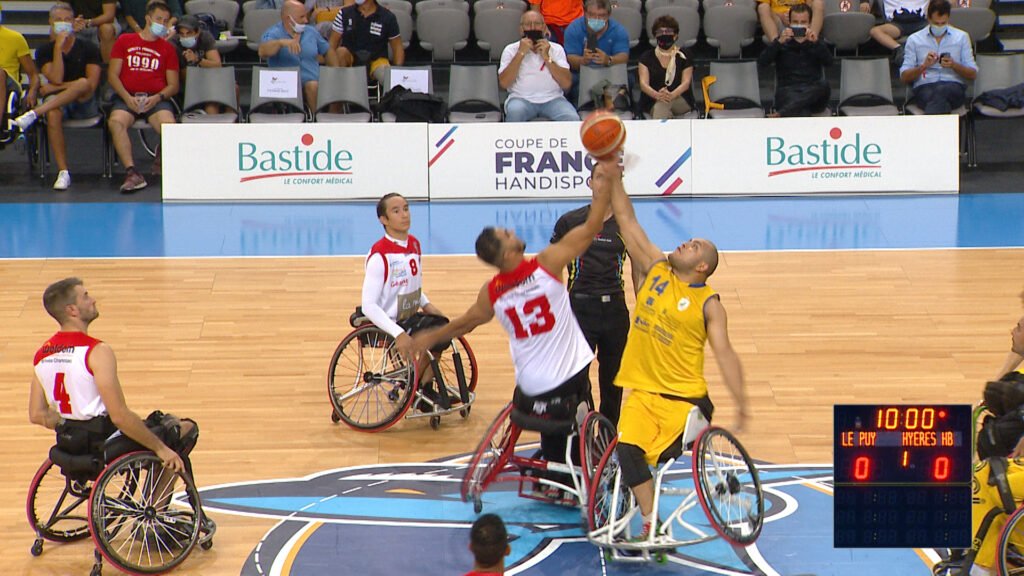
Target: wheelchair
x,y
126,505
371,386
726,487
563,483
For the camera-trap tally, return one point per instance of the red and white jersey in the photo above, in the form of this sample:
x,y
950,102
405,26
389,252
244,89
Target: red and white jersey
x,y
61,365
547,344
393,281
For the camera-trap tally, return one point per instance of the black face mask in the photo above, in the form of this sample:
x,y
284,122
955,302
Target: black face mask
x,y
534,35
665,41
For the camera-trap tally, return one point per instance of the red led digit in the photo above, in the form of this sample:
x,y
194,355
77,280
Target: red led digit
x,y
861,468
941,469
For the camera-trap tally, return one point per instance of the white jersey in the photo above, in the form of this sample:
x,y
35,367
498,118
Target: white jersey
x,y
547,344
61,365
393,286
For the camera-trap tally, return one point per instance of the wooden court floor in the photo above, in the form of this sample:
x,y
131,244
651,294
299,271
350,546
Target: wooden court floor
x,y
242,346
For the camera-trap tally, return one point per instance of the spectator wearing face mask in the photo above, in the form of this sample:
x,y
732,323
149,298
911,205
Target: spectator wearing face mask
x,y
594,39
292,42
196,48
666,74
536,73
938,62
134,12
361,35
72,71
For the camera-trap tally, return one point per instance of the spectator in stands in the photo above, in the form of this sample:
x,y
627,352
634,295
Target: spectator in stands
x,y
666,74
72,70
144,75
774,15
269,4
134,12
902,18
15,58
938,61
594,39
801,88
361,35
293,43
96,22
536,74
196,48
488,541
558,14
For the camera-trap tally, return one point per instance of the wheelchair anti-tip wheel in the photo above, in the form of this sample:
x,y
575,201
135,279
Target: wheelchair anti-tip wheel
x,y
135,524
490,457
728,486
56,507
596,435
369,383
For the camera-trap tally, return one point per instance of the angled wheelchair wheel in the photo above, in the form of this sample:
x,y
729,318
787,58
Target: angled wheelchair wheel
x,y
458,360
57,507
728,486
1010,553
608,501
490,458
369,383
596,435
136,524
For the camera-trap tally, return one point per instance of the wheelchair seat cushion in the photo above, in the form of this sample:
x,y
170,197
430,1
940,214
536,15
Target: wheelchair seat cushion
x,y
1006,394
80,467
421,321
542,424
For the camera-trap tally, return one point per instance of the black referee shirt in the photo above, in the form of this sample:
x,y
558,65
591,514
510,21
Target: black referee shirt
x,y
599,270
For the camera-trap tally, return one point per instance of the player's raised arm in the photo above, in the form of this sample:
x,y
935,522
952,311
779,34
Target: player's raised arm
x,y
642,252
557,256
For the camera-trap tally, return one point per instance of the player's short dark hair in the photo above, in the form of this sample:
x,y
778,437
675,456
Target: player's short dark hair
x,y
58,295
155,5
488,540
711,259
801,9
665,21
488,246
382,204
939,8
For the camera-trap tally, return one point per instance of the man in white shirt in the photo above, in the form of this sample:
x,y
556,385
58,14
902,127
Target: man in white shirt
x,y
536,74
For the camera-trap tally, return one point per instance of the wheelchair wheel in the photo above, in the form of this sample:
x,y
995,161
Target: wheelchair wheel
x,y
596,436
458,358
491,456
607,497
135,523
370,385
1010,554
728,486
56,506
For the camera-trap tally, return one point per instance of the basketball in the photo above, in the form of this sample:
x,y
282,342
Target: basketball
x,y
603,134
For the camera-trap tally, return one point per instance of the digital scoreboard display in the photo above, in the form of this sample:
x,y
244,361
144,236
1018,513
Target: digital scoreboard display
x,y
902,476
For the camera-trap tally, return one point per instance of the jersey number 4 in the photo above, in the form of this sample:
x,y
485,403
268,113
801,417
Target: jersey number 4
x,y
538,312
60,394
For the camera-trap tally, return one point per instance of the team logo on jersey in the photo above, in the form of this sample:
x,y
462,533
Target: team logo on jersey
x,y
683,304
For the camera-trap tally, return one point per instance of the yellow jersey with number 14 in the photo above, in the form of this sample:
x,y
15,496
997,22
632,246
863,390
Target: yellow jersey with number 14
x,y
665,349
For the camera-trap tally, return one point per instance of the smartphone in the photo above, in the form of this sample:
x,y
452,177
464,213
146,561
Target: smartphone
x,y
591,40
943,56
799,31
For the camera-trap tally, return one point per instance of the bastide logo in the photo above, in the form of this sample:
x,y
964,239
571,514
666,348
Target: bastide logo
x,y
306,162
834,156
683,304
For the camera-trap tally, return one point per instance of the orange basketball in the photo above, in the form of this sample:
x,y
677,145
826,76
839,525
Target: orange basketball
x,y
603,134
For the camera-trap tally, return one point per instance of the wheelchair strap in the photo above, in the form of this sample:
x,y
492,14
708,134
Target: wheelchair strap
x,y
997,477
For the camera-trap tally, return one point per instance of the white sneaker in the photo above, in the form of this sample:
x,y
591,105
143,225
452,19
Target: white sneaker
x,y
26,120
63,181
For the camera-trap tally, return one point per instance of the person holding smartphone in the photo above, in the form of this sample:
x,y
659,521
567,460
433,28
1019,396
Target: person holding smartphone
x,y
594,39
938,61
801,88
536,74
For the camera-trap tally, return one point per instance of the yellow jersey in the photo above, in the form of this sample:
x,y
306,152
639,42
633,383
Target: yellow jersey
x,y
665,349
12,47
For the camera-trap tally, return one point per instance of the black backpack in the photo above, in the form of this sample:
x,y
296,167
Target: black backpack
x,y
1001,431
408,106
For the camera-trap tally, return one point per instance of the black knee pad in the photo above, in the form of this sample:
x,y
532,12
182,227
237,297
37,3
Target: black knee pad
x,y
634,467
188,440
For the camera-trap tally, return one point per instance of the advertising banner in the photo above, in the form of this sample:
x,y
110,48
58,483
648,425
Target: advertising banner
x,y
547,160
263,162
815,155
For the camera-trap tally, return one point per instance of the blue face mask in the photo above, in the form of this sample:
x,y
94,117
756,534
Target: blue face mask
x,y
938,30
63,27
158,29
187,41
596,24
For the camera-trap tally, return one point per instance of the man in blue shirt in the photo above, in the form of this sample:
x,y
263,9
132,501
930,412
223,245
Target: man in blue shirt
x,y
938,61
292,42
594,39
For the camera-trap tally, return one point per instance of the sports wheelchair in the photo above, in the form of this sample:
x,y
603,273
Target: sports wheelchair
x,y
565,482
371,386
725,485
125,503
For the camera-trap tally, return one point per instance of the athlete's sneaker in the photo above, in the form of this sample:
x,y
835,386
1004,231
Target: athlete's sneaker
x,y
24,121
133,181
63,181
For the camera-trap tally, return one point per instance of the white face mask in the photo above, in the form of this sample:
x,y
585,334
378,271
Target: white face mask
x,y
299,28
63,27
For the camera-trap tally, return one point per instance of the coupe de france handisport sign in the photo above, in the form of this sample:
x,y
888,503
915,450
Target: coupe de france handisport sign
x,y
547,160
902,476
